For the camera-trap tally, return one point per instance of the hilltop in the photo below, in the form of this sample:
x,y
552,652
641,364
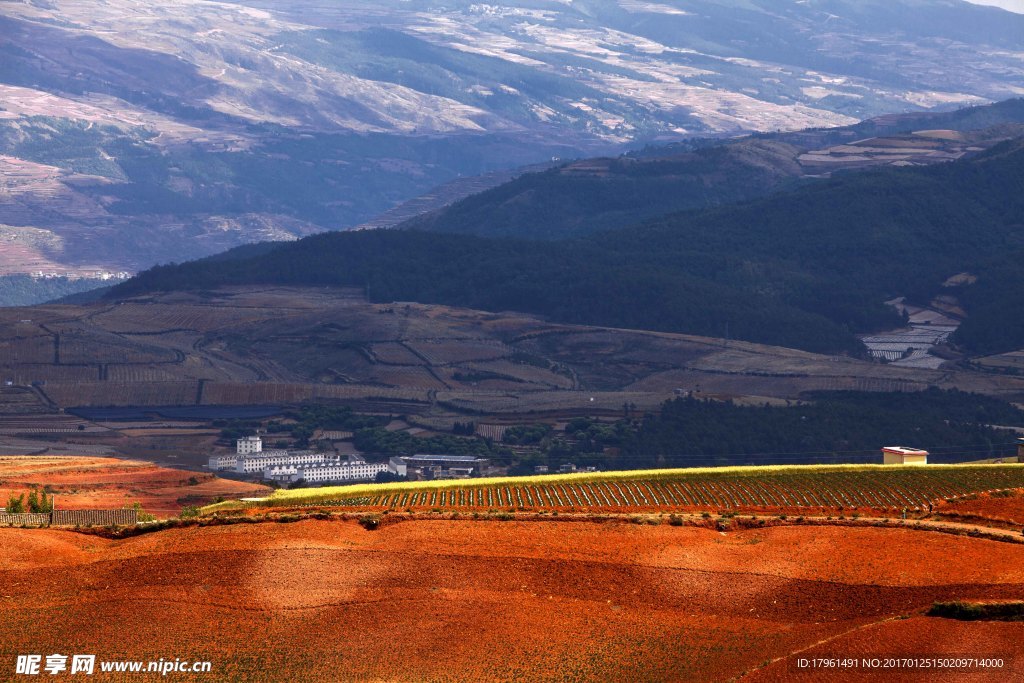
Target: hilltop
x,y
80,482
592,195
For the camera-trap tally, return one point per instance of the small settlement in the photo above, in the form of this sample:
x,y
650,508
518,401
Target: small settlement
x,y
312,467
290,466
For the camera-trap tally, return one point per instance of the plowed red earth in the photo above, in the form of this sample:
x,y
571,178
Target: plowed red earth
x,y
919,649
89,483
996,508
490,600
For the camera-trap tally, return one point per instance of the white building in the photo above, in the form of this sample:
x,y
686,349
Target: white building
x,y
901,455
222,462
248,445
398,466
443,466
354,468
274,458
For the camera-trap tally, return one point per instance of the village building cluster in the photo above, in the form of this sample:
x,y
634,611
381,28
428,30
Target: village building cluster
x,y
290,466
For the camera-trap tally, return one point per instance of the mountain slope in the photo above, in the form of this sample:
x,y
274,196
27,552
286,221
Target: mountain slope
x,y
132,134
599,194
803,269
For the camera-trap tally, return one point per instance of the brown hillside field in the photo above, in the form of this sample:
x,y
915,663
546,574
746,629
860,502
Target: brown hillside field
x,y
108,483
283,345
498,601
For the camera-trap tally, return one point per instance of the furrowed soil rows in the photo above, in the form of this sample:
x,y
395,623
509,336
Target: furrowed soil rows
x,y
578,602
878,490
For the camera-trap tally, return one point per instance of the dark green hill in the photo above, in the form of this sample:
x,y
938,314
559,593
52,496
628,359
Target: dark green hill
x,y
602,194
804,269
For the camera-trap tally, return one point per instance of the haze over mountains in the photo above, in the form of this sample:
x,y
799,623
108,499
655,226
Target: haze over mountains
x,y
132,134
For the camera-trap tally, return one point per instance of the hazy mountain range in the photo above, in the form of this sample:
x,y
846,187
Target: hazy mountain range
x,y
132,133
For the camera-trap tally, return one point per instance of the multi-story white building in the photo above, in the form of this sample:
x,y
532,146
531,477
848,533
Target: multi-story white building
x,y
222,462
335,470
248,445
275,458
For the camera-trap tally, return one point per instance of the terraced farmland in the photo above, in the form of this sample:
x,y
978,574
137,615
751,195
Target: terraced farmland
x,y
240,346
867,489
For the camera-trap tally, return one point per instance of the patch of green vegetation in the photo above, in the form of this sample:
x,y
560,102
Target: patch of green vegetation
x,y
526,434
23,290
835,426
556,205
311,417
378,440
978,611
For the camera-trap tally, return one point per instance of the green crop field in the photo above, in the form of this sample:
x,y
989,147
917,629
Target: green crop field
x,y
879,488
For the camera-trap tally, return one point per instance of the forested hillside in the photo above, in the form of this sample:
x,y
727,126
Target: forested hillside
x,y
23,290
849,426
804,269
602,194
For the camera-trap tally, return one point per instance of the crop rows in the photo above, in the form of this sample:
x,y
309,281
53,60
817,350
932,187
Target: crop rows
x,y
157,318
808,489
406,377
394,353
76,349
122,393
27,373
141,373
14,351
239,393
444,351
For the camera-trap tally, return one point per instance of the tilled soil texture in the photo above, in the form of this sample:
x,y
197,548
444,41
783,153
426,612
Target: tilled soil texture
x,y
486,600
1002,507
79,483
916,650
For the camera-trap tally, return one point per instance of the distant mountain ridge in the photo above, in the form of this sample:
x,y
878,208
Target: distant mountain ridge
x,y
135,133
592,195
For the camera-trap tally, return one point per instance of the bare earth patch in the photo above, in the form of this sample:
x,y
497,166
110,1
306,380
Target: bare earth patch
x,y
494,601
106,483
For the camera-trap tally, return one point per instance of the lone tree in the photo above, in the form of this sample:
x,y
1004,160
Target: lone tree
x,y
39,502
16,505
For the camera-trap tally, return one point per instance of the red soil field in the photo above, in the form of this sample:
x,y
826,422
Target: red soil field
x,y
491,601
912,638
999,508
108,483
